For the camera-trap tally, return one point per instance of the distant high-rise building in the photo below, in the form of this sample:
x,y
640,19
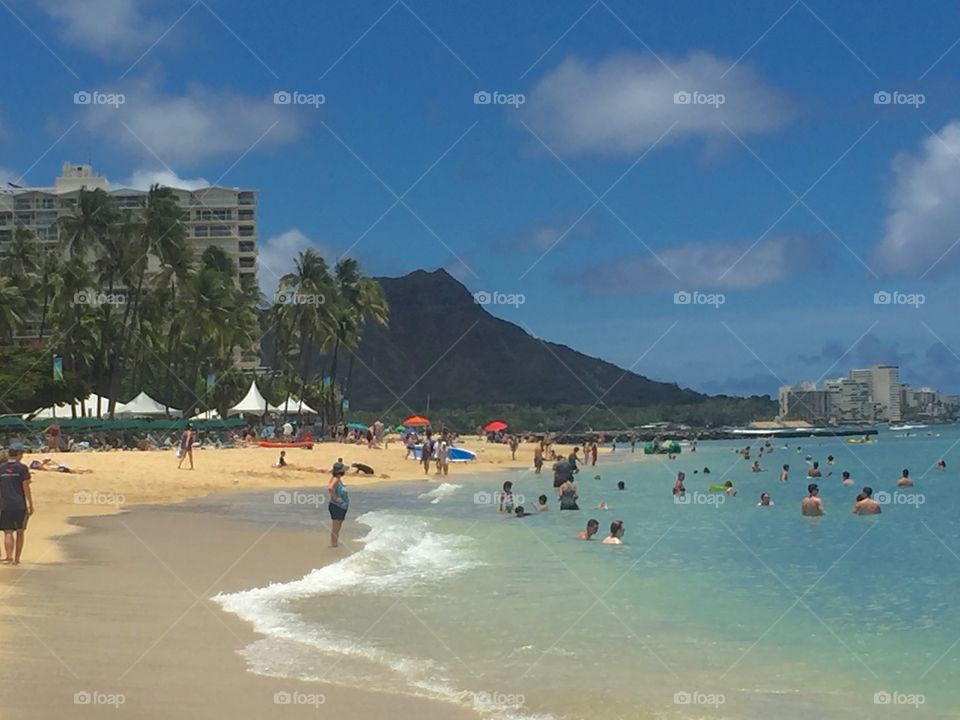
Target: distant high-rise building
x,y
850,400
884,381
805,402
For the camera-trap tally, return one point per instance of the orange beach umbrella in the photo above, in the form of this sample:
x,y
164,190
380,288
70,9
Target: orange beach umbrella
x,y
496,426
416,421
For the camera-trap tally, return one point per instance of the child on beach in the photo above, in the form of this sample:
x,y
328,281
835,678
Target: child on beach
x,y
506,498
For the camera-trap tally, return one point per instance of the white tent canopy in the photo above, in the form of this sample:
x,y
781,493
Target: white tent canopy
x,y
253,402
64,411
142,406
293,407
207,415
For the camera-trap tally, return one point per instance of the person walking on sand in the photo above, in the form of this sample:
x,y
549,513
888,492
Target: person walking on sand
x,y
514,444
339,501
812,505
537,459
16,504
186,445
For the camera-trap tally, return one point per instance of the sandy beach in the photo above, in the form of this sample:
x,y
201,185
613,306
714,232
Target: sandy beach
x,y
122,479
113,595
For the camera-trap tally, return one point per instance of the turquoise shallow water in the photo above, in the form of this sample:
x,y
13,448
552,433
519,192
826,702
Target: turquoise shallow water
x,y
709,609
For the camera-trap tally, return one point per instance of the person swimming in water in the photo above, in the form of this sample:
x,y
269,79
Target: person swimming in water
x,y
729,489
765,500
678,489
941,465
542,505
814,470
845,478
520,512
785,473
506,498
621,485
592,527
616,532
812,505
865,504
756,467
905,480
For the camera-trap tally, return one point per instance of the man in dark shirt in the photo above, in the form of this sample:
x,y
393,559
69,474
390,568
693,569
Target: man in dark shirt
x,y
16,503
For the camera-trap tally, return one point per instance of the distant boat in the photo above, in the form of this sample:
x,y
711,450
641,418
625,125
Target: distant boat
x,y
907,427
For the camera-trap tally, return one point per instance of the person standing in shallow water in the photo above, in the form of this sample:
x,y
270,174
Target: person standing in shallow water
x,y
339,501
812,505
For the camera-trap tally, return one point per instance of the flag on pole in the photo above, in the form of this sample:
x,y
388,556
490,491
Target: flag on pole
x,y
57,368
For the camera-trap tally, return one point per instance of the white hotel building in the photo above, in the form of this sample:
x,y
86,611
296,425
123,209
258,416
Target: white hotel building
x,y
220,216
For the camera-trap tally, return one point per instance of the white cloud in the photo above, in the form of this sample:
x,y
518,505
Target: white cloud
x,y
923,221
625,103
277,257
704,266
143,179
105,27
8,176
188,129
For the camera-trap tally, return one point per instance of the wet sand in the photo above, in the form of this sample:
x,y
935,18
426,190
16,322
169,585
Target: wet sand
x,y
124,617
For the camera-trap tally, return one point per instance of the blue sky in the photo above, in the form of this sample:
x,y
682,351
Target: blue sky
x,y
786,185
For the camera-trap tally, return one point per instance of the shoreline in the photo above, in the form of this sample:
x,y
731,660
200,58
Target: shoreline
x,y
129,615
59,497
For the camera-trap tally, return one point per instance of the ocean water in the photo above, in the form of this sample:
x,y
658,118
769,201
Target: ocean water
x,y
714,608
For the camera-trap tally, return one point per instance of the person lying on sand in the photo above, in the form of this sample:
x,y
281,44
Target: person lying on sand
x,y
361,468
47,464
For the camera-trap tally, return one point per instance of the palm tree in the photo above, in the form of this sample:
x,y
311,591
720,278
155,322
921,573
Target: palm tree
x,y
20,259
307,292
157,230
91,218
49,278
358,299
12,306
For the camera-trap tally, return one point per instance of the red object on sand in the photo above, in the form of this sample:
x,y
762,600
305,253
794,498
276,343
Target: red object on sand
x,y
496,426
416,421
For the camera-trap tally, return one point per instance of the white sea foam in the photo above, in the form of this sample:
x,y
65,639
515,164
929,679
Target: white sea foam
x,y
443,490
400,556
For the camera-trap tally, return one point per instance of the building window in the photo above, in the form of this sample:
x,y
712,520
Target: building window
x,y
49,203
201,231
248,262
246,246
246,198
23,204
220,231
245,214
247,231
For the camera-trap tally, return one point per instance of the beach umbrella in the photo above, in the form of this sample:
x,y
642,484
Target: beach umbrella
x,y
496,426
357,426
416,421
